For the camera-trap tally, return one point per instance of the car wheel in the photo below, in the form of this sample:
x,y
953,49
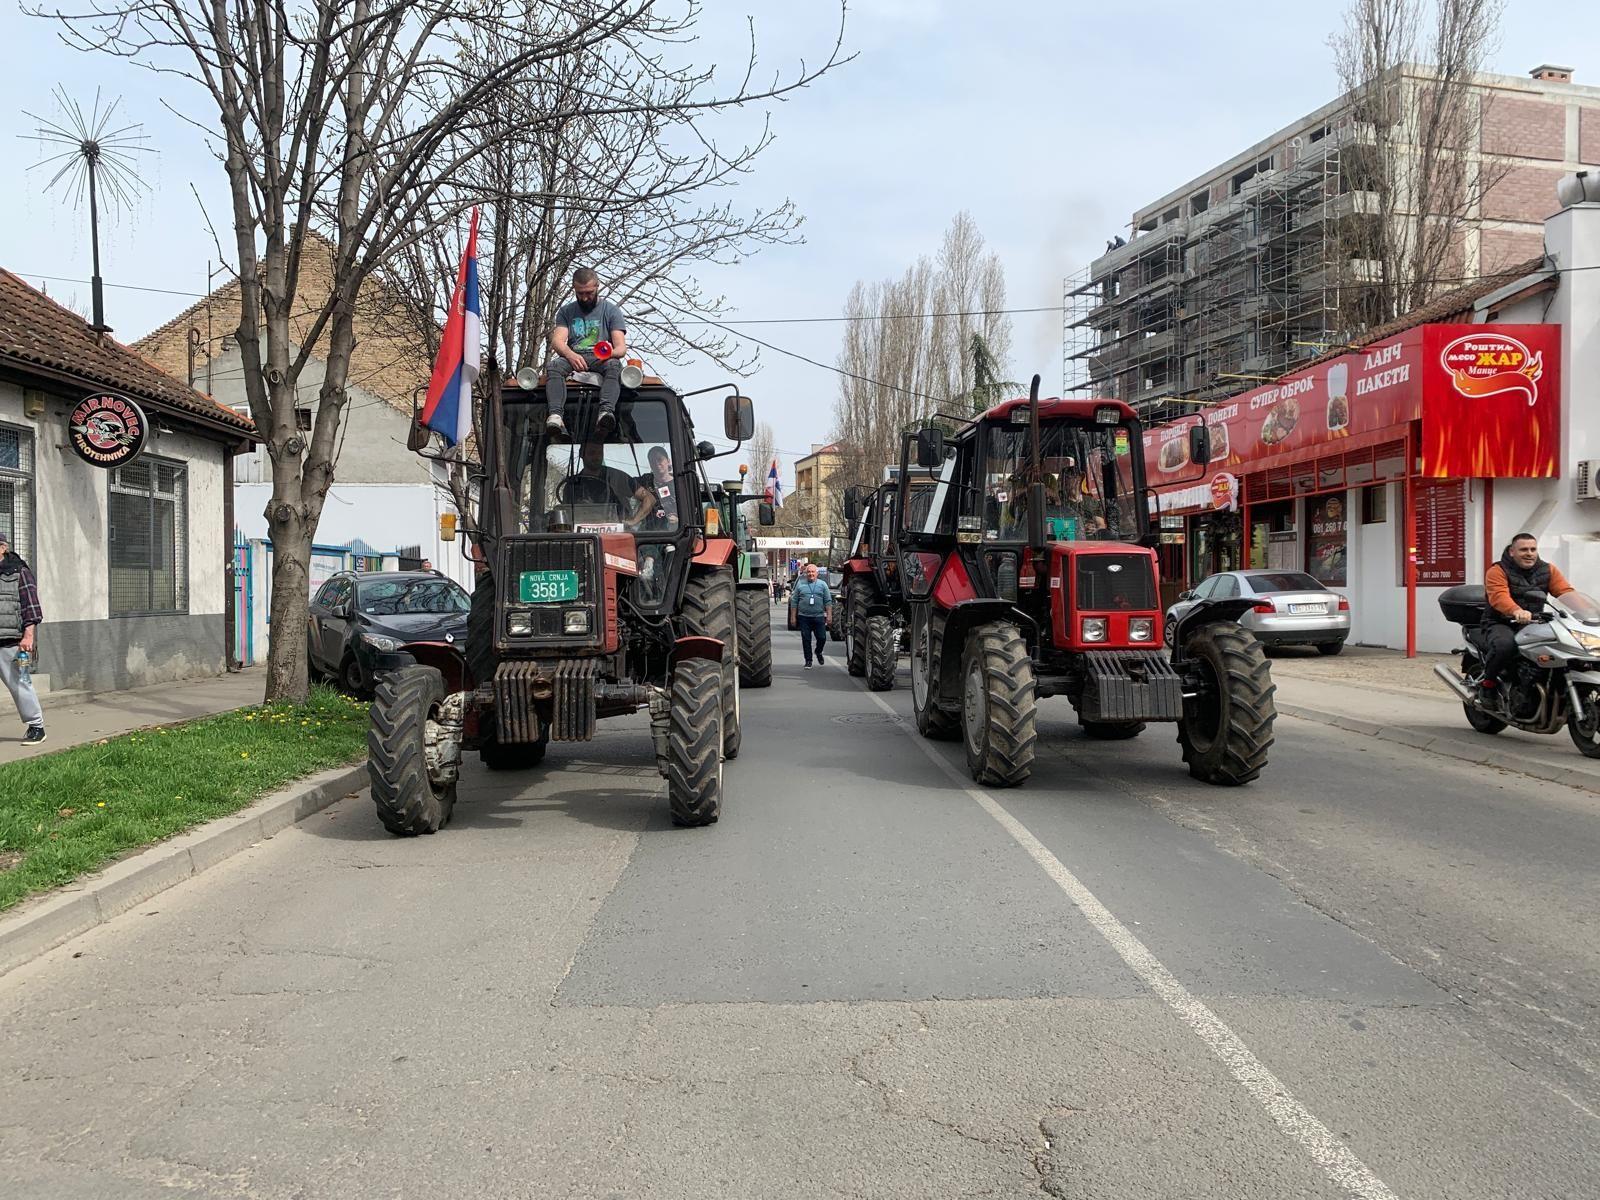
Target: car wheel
x,y
1169,629
350,677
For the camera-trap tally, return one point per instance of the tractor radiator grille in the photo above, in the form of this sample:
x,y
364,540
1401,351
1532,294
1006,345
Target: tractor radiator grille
x,y
1116,583
551,554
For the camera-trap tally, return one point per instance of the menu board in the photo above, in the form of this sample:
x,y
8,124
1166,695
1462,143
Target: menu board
x,y
1441,531
1325,539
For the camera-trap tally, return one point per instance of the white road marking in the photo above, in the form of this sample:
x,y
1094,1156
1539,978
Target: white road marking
x,y
1337,1162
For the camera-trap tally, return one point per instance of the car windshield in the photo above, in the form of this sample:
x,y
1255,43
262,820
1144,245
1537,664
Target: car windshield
x,y
427,594
1283,581
1582,606
1087,476
619,482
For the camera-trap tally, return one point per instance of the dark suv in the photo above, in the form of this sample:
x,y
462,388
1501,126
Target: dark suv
x,y
355,617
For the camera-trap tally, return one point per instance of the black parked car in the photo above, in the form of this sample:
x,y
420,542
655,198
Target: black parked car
x,y
355,616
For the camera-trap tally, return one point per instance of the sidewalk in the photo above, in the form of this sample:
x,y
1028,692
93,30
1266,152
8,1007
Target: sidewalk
x,y
73,720
1383,694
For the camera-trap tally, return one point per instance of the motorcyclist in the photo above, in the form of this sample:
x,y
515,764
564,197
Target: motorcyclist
x,y
1515,588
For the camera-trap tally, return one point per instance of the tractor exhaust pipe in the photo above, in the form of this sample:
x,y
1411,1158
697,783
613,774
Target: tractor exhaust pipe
x,y
1036,523
1455,683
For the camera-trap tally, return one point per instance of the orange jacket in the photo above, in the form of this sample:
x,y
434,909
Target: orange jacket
x,y
1499,591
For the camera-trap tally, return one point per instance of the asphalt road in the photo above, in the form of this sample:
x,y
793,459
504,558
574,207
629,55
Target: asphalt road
x,y
1372,973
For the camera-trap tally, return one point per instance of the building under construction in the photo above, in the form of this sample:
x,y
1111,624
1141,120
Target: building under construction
x,y
1265,260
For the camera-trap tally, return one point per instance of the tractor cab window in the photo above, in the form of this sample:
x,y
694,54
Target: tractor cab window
x,y
1087,472
623,481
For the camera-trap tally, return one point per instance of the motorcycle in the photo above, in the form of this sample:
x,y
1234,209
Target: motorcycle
x,y
1555,679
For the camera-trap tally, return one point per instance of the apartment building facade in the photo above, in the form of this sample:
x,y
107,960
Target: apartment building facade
x,y
1259,264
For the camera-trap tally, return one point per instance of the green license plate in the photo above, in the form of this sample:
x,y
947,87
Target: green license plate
x,y
547,587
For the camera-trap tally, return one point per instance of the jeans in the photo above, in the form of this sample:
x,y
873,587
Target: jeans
x,y
1499,649
27,699
558,369
813,629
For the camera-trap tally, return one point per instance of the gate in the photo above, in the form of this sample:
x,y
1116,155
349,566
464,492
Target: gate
x,y
243,602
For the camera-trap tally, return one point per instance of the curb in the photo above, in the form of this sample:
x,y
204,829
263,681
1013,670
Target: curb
x,y
1416,739
47,922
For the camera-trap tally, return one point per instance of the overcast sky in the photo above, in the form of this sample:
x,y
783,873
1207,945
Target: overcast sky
x,y
1049,121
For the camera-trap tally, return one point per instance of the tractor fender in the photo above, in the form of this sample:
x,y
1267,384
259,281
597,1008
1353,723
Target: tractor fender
x,y
1207,612
708,648
714,552
960,620
449,658
754,582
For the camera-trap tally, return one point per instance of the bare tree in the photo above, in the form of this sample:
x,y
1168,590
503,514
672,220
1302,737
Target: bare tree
x,y
935,337
759,454
1417,115
352,118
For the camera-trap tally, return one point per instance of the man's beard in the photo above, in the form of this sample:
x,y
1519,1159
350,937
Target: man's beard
x,y
587,306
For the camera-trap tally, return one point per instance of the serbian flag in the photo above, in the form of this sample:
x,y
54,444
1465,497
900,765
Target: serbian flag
x,y
774,486
448,409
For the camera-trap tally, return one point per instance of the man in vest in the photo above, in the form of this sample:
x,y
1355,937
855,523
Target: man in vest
x,y
1514,587
19,614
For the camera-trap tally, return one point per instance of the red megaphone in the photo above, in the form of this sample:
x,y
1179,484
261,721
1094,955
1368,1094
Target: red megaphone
x,y
602,350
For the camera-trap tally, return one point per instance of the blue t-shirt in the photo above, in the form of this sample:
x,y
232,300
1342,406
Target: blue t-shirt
x,y
812,599
585,329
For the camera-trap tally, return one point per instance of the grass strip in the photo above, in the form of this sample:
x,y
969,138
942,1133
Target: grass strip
x,y
65,814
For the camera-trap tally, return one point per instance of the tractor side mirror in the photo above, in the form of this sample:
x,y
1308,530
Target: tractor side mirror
x,y
852,506
764,514
738,418
930,447
1200,444
705,450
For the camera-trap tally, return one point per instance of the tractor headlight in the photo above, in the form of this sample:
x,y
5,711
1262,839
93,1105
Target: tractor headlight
x,y
378,642
1142,629
519,624
1094,629
576,620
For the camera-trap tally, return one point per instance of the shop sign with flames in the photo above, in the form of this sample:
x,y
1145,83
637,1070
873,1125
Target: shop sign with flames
x,y
1491,401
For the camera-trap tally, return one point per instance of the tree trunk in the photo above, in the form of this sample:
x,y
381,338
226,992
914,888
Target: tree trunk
x,y
291,603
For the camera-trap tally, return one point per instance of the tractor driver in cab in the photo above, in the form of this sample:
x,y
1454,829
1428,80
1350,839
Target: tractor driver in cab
x,y
599,485
663,513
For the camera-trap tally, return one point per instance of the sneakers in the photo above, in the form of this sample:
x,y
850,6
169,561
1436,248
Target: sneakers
x,y
808,666
605,422
555,426
34,736
820,660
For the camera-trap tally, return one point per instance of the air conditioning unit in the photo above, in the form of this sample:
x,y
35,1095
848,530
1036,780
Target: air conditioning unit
x,y
1589,479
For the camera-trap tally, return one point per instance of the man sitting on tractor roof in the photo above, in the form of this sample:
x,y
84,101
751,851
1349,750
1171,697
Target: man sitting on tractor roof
x,y
584,325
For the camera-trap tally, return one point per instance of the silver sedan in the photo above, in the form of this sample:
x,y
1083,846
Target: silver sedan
x,y
1291,608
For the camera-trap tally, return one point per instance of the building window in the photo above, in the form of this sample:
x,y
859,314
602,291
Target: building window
x,y
148,532
1374,505
16,488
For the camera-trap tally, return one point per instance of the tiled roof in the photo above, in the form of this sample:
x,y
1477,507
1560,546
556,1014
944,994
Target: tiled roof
x,y
35,331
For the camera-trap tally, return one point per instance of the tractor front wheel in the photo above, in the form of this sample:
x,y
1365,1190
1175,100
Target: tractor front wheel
x,y
1226,727
857,637
933,721
883,652
755,638
998,705
411,795
694,743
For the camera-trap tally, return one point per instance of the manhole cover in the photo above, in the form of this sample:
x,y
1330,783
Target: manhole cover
x,y
867,719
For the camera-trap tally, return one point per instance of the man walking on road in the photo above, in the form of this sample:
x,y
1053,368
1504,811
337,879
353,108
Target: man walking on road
x,y
813,604
20,612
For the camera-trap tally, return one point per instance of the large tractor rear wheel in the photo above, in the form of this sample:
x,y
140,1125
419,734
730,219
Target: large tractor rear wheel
x,y
1226,727
755,638
710,609
694,743
883,652
934,722
998,705
856,634
410,798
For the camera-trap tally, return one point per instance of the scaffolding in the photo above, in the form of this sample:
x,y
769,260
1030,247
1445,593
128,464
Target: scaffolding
x,y
1206,306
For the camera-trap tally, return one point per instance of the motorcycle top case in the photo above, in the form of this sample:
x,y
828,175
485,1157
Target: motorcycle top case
x,y
1464,605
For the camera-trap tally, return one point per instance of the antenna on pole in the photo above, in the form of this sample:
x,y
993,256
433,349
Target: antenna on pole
x,y
96,156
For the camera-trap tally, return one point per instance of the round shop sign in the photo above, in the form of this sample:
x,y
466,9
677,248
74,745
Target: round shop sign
x,y
1224,492
107,430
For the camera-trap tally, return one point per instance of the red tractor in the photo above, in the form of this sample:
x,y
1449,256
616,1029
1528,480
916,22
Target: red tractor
x,y
607,585
1031,573
875,615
